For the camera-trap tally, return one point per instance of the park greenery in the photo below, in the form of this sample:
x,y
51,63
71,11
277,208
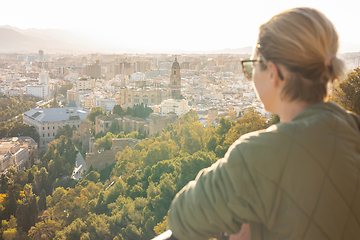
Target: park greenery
x,y
133,201
12,106
63,89
129,199
11,110
139,110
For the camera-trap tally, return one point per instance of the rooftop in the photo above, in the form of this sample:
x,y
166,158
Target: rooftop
x,y
57,114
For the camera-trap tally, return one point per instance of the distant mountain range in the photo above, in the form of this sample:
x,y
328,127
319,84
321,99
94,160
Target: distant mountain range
x,y
13,39
50,40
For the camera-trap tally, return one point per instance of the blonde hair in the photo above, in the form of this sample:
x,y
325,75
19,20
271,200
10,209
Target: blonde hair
x,y
305,42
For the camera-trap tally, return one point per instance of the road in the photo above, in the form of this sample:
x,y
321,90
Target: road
x,y
80,165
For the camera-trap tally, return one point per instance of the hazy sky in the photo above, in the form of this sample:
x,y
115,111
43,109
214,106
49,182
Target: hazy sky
x,y
171,25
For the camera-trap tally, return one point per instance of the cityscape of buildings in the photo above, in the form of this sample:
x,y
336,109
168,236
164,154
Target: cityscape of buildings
x,y
213,85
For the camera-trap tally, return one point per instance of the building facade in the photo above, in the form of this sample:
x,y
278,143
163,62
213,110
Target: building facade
x,y
83,84
40,90
106,104
92,70
71,95
147,96
177,106
13,153
47,121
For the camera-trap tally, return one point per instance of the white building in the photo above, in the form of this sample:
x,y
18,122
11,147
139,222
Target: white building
x,y
138,76
43,78
40,90
31,58
41,56
106,104
177,106
47,121
249,94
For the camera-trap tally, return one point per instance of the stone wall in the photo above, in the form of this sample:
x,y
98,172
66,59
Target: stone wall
x,y
83,134
158,122
100,160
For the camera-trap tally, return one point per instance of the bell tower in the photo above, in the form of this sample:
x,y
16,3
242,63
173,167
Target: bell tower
x,y
175,80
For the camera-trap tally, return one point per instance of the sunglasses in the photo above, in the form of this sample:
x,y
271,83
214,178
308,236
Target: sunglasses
x,y
248,67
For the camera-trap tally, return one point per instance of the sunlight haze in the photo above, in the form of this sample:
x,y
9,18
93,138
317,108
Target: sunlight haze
x,y
161,25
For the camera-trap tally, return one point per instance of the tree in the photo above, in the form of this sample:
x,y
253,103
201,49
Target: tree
x,y
27,213
93,176
54,103
44,230
118,110
66,131
42,201
347,92
95,111
274,119
21,129
63,89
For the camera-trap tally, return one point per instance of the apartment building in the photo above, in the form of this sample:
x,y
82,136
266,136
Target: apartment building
x,y
40,90
13,153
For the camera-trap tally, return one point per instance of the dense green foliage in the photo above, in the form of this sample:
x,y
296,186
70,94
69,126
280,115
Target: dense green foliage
x,y
347,92
63,89
139,110
11,109
23,194
95,111
15,128
133,201
13,106
65,131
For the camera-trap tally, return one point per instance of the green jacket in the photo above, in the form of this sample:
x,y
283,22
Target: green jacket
x,y
297,180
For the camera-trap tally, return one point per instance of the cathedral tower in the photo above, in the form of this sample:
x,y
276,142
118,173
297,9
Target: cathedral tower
x,y
175,80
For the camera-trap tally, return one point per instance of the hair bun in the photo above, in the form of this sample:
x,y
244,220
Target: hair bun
x,y
328,60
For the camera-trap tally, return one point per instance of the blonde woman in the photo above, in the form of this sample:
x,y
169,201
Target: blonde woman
x,y
298,179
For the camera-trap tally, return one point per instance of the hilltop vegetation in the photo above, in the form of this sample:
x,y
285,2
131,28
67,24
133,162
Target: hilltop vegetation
x,y
136,197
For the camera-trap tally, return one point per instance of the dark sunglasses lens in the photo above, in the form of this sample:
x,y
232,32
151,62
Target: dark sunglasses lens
x,y
248,69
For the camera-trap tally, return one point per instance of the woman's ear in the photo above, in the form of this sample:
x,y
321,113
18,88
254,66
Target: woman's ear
x,y
274,74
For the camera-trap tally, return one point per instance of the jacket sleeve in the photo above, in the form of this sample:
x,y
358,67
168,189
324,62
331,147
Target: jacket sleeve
x,y
220,199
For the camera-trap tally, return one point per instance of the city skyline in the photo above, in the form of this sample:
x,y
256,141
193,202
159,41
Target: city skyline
x,y
169,26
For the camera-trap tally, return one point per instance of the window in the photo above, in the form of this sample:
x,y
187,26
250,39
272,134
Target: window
x,y
43,135
43,128
136,100
48,128
48,134
53,127
53,134
129,99
145,101
174,72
